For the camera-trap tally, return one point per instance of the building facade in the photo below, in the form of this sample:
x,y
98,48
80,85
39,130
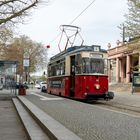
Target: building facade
x,y
123,59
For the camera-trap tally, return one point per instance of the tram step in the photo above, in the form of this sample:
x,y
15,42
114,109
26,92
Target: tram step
x,y
53,128
34,131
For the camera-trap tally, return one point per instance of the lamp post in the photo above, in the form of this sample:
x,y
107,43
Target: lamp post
x,y
47,47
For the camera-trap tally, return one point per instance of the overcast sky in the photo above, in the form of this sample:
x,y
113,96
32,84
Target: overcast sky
x,y
98,23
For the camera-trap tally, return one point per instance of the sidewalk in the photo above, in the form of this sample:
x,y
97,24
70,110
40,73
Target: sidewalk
x,y
126,100
10,125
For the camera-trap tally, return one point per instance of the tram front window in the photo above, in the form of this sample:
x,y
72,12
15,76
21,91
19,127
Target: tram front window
x,y
86,65
92,65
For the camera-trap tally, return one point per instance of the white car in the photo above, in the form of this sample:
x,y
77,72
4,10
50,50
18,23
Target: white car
x,y
43,86
37,86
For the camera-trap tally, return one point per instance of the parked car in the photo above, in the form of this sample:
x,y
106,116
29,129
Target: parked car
x,y
37,86
43,86
18,85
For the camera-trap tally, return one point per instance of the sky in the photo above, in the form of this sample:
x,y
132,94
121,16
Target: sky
x,y
99,22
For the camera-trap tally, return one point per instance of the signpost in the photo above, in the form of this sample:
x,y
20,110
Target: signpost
x,y
135,80
26,63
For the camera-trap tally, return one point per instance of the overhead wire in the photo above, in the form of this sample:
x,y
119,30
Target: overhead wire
x,y
82,12
76,18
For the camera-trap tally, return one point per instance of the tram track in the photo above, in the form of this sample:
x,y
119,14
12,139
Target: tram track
x,y
118,107
94,120
111,105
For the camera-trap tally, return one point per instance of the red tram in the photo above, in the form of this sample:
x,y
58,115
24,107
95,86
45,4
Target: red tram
x,y
80,72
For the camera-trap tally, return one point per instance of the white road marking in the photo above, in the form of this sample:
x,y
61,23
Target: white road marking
x,y
46,98
131,115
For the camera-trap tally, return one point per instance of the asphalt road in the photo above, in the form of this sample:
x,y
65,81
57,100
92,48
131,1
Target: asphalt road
x,y
88,121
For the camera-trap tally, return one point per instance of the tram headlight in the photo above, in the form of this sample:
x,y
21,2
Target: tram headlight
x,y
85,93
97,86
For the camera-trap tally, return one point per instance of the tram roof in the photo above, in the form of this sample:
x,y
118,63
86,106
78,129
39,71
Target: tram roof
x,y
76,49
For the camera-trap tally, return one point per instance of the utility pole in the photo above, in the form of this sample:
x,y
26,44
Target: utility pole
x,y
123,34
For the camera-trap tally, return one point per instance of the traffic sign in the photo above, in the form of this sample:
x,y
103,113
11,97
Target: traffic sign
x,y
26,62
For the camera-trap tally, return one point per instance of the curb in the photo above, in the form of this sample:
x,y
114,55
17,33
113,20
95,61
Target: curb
x,y
32,129
53,128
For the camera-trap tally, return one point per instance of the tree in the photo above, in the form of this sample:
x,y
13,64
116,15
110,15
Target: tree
x,y
136,2
13,11
5,36
16,50
131,26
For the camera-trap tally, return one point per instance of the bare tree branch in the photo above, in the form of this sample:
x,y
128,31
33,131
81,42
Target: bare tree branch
x,y
10,10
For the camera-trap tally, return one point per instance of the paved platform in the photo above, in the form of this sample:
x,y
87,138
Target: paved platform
x,y
10,125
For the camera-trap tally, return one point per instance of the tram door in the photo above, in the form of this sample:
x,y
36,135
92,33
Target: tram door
x,y
72,75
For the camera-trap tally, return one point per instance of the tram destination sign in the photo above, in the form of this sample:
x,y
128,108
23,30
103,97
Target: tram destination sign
x,y
93,55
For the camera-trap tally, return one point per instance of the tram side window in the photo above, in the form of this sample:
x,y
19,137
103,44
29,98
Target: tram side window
x,y
62,68
86,65
49,71
78,63
58,69
53,70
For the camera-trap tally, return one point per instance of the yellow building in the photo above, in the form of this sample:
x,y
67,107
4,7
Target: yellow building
x,y
123,59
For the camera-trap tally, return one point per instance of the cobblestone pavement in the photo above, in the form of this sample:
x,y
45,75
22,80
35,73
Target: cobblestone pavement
x,y
90,122
126,100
